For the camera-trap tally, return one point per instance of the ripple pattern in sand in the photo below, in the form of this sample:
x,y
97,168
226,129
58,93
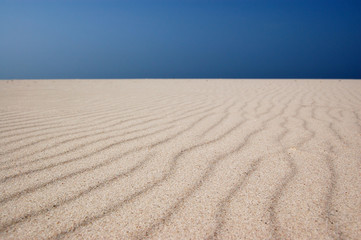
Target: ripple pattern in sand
x,y
180,159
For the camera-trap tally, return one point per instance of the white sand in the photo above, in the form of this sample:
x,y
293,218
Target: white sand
x,y
180,159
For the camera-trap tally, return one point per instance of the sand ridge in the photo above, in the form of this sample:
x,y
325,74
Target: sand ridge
x,y
180,159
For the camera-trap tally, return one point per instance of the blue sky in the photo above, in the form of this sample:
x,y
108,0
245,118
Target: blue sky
x,y
180,39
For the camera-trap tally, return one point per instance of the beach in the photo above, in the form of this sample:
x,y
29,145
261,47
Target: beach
x,y
180,159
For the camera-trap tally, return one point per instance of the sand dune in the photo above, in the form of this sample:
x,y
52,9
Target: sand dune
x,y
180,159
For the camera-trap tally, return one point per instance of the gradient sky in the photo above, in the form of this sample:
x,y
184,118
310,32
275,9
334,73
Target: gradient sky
x,y
180,39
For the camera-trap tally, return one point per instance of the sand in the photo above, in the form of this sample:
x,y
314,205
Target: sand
x,y
180,159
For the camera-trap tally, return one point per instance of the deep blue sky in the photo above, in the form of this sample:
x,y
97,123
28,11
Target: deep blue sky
x,y
180,39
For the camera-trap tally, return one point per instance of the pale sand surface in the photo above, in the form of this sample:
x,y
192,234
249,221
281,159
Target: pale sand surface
x,y
180,159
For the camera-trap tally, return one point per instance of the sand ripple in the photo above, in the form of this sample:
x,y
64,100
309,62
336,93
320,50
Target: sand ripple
x,y
180,159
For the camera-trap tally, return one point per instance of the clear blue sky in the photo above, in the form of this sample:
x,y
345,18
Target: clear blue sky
x,y
180,39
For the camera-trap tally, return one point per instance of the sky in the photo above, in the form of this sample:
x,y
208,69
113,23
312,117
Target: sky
x,y
180,39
